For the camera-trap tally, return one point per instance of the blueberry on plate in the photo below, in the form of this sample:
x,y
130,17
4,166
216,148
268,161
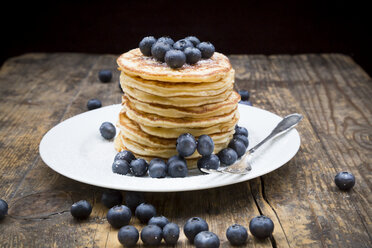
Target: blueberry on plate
x,y
171,233
182,44
242,138
119,216
3,209
238,146
159,49
206,239
133,199
144,212
177,167
209,162
205,145
227,156
244,95
207,49
246,103
195,41
193,55
175,59
105,76
261,227
160,221
158,168
125,155
166,39
146,44
151,235
194,226
186,145
81,209
241,130
111,198
94,104
128,235
237,234
107,130
121,167
345,180
139,167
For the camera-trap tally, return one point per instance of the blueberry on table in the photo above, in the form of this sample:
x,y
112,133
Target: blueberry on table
x,y
108,130
144,212
125,155
121,167
209,162
238,146
166,39
205,145
194,226
345,180
237,234
182,44
133,199
177,167
175,59
128,235
246,103
158,168
242,138
105,76
171,233
244,95
160,221
111,198
151,235
139,167
119,216
186,145
227,156
94,104
146,44
159,49
3,209
195,41
206,239
261,227
207,49
193,55
241,130
81,209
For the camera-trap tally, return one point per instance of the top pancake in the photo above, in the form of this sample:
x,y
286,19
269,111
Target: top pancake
x,y
134,63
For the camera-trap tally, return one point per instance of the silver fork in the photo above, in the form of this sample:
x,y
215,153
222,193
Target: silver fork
x,y
243,166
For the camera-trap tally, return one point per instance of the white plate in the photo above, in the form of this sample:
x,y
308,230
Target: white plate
x,y
75,149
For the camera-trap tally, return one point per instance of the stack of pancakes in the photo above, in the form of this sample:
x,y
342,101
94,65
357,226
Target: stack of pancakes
x,y
161,103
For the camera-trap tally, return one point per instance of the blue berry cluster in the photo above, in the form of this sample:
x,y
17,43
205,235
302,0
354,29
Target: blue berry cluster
x,y
188,50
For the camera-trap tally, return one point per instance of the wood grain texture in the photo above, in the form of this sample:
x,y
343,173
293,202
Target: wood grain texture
x,y
332,92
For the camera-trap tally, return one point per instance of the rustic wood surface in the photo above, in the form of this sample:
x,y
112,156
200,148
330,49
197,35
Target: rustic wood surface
x,y
37,91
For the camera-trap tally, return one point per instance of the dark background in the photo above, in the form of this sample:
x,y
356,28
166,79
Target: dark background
x,y
250,27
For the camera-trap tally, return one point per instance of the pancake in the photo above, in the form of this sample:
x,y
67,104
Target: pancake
x,y
206,70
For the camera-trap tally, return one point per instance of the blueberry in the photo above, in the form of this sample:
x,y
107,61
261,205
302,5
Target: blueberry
x,y
144,212
159,50
133,199
207,49
193,55
160,221
237,234
175,59
182,44
241,130
119,216
125,155
261,227
139,167
111,198
3,209
186,145
345,180
171,233
195,41
209,162
238,146
146,44
206,239
246,103
151,235
105,76
177,167
120,167
128,235
227,156
94,104
158,168
176,157
242,138
244,95
81,209
205,145
166,39
194,226
108,130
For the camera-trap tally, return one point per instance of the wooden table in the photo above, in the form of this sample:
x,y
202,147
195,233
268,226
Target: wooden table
x,y
332,92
